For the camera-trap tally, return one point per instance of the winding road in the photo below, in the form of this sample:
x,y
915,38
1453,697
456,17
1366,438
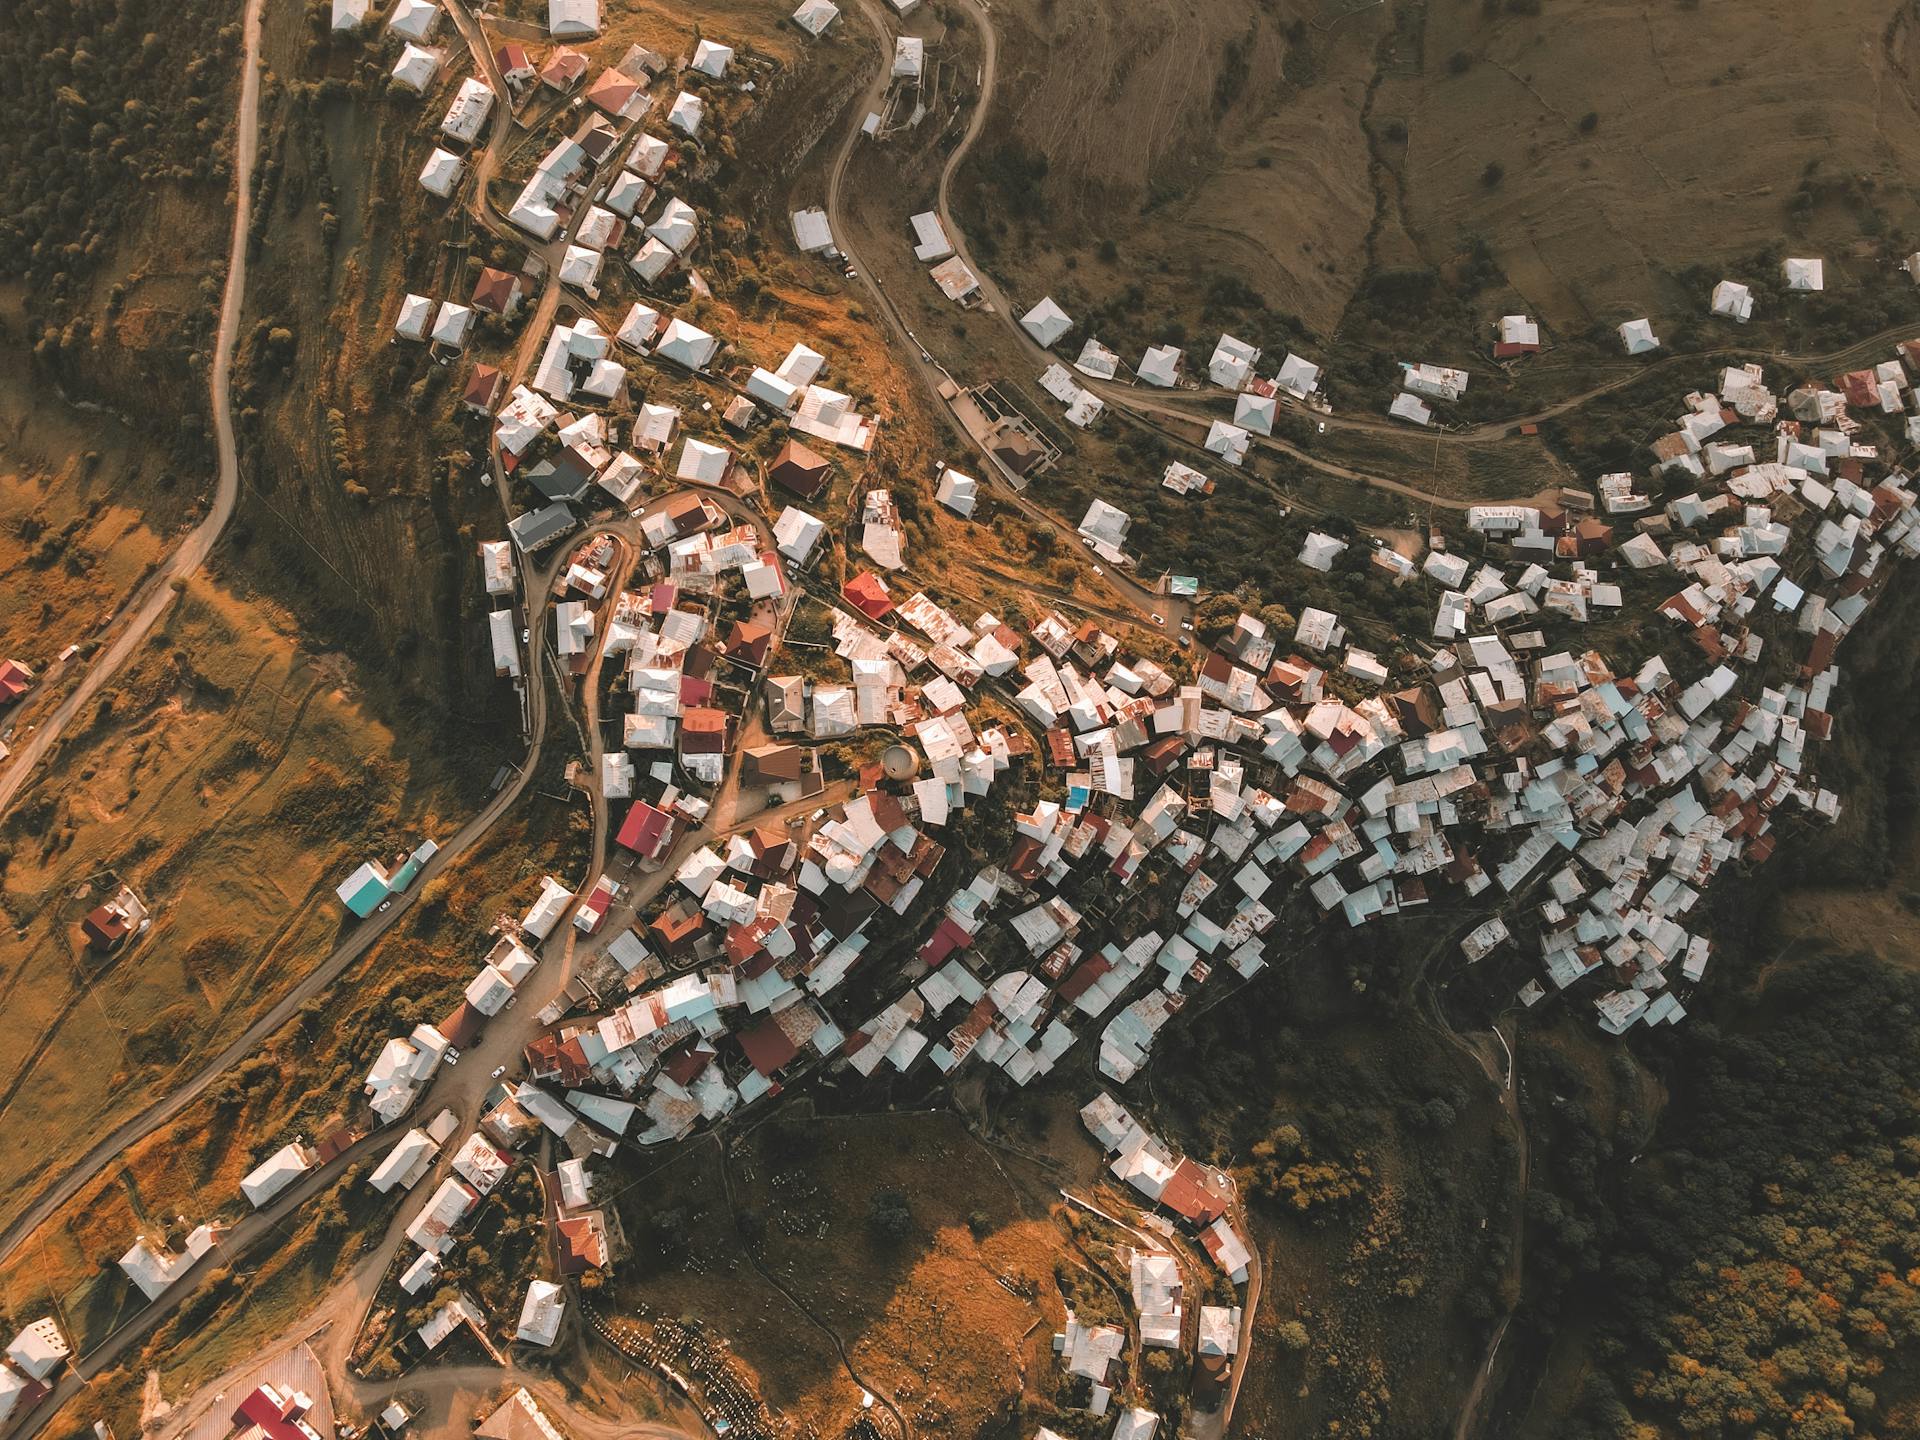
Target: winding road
x,y
147,604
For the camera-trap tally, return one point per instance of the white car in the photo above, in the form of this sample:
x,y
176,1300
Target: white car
x,y
452,1057
498,1071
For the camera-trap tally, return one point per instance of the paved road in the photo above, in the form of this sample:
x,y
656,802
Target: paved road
x,y
144,609
363,937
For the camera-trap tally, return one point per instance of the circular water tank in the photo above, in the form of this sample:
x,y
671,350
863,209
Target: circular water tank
x,y
899,762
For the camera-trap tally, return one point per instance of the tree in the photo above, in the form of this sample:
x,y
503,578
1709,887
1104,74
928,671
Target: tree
x,y
889,1215
1293,1336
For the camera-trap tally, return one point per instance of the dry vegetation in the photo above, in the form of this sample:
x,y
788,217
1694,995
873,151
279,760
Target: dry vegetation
x,y
225,776
949,1309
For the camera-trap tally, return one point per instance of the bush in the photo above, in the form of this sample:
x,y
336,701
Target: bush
x,y
1459,62
1493,174
889,1215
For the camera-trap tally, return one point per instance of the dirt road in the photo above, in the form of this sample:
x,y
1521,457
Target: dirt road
x,y
929,372
144,609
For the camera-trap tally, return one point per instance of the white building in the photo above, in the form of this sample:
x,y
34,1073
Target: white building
x,y
1733,300
573,19
1638,337
541,1313
1046,322
1804,275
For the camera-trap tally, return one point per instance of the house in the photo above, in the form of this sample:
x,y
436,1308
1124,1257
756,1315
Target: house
x,y
36,1352
686,113
702,463
581,1241
108,925
467,115
811,231
541,1313
1638,337
276,1172
958,283
519,1417
1161,365
909,57
15,680
275,1413
1229,442
1046,322
433,1228
417,66
1298,378
580,268
959,493
442,172
573,19
799,470
1733,300
774,764
652,260
564,69
1804,276
1515,335
654,428
786,704
796,533
450,325
365,890
867,593
686,345
814,16
647,831
482,390
614,95
627,195
496,292
1410,408
514,65
533,531
1104,528
416,317
710,58
415,19
1232,364
350,14
1255,412
930,238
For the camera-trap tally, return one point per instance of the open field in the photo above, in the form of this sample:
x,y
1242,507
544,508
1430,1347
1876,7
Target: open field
x,y
952,1319
189,1170
231,776
1371,184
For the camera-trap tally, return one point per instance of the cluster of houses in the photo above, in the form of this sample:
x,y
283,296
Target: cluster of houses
x,y
1185,1198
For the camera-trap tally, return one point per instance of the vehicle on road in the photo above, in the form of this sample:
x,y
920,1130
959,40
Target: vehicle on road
x,y
1159,619
385,905
498,1071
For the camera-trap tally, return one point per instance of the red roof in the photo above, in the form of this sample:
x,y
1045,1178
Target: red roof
x,y
644,829
946,938
768,1047
867,593
274,1413
15,679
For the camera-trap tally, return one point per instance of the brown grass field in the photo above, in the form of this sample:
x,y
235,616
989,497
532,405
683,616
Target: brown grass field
x,y
232,777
